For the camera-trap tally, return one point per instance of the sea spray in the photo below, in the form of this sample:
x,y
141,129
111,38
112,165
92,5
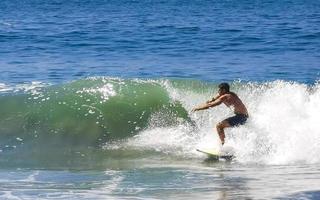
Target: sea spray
x,y
282,128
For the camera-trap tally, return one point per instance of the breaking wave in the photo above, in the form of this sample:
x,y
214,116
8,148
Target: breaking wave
x,y
109,117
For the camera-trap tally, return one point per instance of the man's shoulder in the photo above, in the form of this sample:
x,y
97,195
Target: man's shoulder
x,y
228,94
224,96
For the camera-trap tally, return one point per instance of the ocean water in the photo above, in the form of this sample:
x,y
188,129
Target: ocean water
x,y
96,99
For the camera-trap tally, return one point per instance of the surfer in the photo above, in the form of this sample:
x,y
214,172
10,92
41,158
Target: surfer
x,y
232,100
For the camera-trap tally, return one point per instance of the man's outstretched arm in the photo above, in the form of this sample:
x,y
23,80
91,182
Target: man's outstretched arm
x,y
213,98
214,103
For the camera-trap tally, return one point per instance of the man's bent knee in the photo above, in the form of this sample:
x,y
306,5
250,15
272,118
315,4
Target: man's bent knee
x,y
220,125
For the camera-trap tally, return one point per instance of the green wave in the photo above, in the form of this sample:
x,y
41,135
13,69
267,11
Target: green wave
x,y
87,112
98,122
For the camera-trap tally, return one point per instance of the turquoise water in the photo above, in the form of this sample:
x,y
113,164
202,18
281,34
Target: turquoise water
x,y
95,99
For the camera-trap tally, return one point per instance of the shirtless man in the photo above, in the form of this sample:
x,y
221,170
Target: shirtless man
x,y
229,99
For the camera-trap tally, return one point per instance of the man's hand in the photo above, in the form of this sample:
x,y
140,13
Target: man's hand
x,y
212,100
194,110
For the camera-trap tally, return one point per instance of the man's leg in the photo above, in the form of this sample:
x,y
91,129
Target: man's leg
x,y
220,129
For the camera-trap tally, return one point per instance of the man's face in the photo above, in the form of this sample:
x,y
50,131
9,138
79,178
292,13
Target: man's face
x,y
221,91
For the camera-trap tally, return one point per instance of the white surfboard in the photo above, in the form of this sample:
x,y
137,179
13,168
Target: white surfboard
x,y
216,155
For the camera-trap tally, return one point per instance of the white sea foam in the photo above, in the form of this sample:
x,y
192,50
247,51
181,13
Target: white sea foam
x,y
106,91
33,87
4,88
283,126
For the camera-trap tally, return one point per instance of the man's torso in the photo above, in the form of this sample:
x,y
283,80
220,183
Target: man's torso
x,y
232,100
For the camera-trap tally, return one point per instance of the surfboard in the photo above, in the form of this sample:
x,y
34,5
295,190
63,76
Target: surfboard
x,y
213,154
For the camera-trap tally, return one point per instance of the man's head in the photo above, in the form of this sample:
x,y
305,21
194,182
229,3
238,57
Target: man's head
x,y
223,88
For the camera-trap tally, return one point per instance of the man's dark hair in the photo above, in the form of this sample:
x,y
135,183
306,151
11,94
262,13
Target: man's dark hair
x,y
224,86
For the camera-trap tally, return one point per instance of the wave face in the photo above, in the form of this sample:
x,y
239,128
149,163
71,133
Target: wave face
x,y
90,111
101,118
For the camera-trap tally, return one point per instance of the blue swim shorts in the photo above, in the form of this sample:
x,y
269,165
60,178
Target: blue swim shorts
x,y
238,119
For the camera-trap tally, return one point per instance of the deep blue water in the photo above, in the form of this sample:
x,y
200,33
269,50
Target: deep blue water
x,y
57,41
